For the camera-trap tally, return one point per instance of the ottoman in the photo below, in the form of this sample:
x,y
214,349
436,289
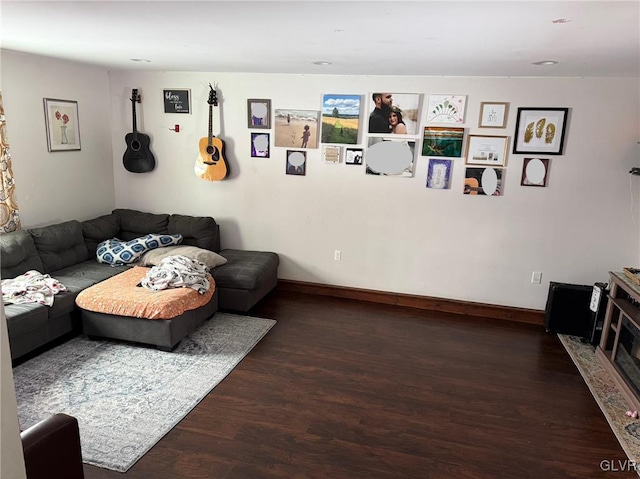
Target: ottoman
x,y
118,308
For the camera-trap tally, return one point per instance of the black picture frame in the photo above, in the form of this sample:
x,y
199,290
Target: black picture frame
x,y
540,131
177,100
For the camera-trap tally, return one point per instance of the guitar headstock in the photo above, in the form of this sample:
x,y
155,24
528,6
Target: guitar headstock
x,y
213,99
134,96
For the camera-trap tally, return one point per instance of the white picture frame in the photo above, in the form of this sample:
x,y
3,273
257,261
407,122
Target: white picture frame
x,y
61,121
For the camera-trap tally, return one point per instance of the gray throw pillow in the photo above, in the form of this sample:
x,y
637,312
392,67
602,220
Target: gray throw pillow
x,y
211,259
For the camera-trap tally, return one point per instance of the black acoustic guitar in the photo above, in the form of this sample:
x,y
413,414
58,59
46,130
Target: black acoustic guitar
x,y
138,157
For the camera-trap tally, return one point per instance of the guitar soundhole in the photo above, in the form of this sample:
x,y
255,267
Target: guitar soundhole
x,y
135,145
213,152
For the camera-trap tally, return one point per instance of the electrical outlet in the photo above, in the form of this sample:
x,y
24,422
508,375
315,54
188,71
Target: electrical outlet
x,y
337,255
536,277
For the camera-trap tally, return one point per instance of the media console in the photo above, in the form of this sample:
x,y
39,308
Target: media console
x,y
619,348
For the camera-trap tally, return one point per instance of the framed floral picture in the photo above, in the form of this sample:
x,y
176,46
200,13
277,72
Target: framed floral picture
x,y
540,130
446,108
61,121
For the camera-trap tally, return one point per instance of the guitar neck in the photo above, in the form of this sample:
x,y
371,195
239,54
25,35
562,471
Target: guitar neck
x,y
210,124
135,122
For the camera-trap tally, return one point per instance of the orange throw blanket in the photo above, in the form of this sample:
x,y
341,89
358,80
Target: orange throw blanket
x,y
120,295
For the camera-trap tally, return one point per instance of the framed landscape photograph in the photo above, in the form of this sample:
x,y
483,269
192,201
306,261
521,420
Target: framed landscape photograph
x,y
259,113
540,130
442,141
493,114
486,150
61,121
340,118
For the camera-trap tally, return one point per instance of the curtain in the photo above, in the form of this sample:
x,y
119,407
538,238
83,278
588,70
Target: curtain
x,y
9,216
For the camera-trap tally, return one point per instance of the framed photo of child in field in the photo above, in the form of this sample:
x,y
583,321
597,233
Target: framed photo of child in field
x,y
297,128
340,118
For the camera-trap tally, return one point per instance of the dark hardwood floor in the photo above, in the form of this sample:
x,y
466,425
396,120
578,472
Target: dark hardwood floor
x,y
343,389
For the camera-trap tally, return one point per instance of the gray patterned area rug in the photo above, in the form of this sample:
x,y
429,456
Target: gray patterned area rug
x,y
127,397
606,394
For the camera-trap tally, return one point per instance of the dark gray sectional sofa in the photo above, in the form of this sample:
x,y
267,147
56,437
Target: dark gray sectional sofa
x,y
67,252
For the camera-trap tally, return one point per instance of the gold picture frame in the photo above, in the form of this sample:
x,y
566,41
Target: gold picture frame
x,y
493,114
487,150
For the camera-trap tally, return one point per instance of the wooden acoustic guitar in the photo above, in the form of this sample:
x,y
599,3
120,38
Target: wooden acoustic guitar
x,y
138,157
472,186
211,164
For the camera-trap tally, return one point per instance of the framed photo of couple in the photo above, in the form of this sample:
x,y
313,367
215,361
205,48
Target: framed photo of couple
x,y
394,114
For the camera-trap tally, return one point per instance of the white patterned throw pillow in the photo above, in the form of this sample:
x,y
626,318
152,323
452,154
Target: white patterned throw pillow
x,y
117,252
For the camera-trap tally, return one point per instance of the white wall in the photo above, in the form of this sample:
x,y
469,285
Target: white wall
x,y
63,185
394,234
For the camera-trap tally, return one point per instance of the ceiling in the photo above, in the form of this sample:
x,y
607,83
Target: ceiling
x,y
394,37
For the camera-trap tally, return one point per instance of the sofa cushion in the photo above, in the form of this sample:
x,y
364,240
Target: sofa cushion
x,y
26,326
200,231
245,269
64,302
82,275
99,229
117,252
18,254
60,245
134,224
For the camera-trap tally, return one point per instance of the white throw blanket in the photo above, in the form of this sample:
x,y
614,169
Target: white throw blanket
x,y
31,287
177,272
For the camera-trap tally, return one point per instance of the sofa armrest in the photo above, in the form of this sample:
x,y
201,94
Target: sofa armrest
x,y
52,449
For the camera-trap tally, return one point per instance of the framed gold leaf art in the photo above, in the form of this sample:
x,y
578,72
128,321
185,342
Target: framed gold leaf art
x,y
540,130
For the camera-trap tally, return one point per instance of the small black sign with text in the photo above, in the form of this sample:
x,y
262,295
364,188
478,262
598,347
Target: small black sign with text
x,y
176,101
